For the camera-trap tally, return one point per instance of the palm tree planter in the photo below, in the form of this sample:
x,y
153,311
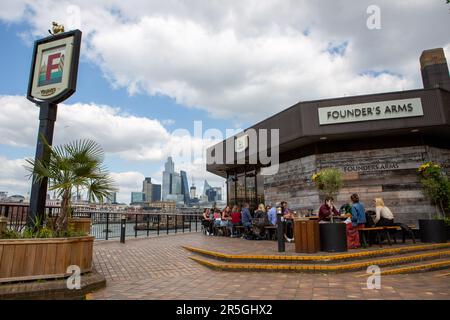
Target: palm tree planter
x,y
48,249
73,166
436,187
32,259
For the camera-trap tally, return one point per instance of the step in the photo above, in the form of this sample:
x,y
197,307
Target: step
x,y
321,258
320,267
422,266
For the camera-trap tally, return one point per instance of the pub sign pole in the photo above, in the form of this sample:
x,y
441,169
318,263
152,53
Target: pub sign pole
x,y
53,79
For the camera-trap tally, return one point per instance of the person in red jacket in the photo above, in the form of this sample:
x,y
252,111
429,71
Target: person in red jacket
x,y
235,219
327,210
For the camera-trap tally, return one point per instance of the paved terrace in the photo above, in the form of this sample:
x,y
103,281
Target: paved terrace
x,y
159,268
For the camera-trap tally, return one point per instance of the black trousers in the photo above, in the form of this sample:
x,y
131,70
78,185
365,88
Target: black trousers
x,y
383,222
289,228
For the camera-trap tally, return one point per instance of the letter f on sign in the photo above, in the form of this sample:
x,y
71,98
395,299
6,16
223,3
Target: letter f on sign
x,y
51,65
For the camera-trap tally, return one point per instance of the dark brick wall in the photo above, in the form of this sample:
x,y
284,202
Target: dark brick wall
x,y
387,173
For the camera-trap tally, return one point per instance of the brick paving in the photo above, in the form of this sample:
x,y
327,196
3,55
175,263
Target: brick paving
x,y
158,268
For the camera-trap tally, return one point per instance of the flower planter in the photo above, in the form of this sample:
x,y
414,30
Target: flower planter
x,y
432,231
30,259
333,237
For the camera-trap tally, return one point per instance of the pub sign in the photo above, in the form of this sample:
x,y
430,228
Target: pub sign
x,y
54,67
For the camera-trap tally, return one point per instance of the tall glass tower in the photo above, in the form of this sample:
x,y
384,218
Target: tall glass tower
x,y
169,170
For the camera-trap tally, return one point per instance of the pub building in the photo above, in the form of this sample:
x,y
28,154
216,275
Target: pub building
x,y
378,141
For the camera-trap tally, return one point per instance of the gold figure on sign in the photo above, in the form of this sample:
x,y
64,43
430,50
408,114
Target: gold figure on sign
x,y
57,28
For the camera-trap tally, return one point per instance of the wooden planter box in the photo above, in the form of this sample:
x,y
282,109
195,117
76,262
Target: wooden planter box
x,y
77,224
81,224
29,259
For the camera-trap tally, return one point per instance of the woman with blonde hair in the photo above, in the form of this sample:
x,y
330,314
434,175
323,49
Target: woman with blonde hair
x,y
383,216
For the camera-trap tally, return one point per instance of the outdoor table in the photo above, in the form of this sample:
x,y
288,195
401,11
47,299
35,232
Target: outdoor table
x,y
306,235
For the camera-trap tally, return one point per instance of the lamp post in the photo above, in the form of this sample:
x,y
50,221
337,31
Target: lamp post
x,y
280,231
123,225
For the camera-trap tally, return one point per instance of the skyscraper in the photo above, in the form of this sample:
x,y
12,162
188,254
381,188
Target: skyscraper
x,y
184,186
176,183
137,197
206,187
169,169
147,189
156,192
193,191
111,198
175,186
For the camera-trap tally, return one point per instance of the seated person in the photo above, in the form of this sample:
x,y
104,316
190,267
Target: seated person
x,y
358,218
235,219
207,221
260,220
217,216
327,210
383,215
272,215
226,218
246,216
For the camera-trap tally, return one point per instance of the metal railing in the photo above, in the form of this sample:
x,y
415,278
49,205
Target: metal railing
x,y
107,224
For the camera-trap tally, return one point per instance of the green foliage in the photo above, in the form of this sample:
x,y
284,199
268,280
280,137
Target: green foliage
x,y
329,181
435,186
9,234
39,231
76,165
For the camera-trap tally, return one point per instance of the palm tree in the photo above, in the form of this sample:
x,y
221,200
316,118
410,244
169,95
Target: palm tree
x,y
73,166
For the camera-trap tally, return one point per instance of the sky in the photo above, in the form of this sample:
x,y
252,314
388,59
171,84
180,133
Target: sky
x,y
151,70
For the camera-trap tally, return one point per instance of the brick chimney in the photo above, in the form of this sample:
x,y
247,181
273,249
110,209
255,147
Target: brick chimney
x,y
433,66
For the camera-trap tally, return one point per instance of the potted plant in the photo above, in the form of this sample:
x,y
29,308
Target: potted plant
x,y
77,165
436,187
328,182
333,236
45,250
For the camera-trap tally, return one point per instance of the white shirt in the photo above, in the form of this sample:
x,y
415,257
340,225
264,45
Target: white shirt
x,y
384,212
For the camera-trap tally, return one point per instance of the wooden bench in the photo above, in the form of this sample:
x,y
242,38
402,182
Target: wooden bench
x,y
378,232
270,232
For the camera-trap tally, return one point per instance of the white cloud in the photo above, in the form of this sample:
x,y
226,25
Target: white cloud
x,y
247,59
127,182
131,138
14,176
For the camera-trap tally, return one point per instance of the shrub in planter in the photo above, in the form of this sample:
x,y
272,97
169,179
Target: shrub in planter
x,y
45,250
75,166
328,182
436,187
